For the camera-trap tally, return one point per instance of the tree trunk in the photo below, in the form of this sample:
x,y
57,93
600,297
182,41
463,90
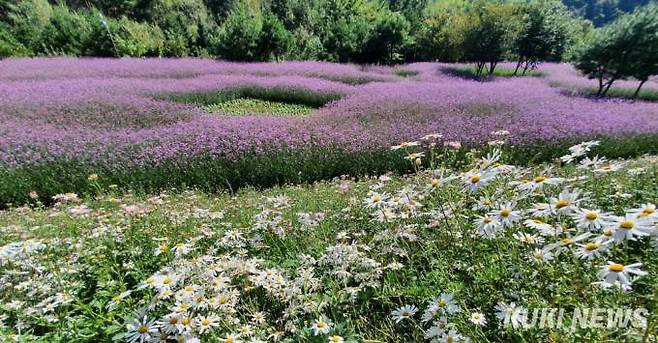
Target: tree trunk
x,y
607,88
492,67
518,65
637,91
598,93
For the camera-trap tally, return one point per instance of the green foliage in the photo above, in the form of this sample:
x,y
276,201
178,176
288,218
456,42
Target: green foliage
x,y
542,34
138,39
10,46
275,40
240,36
27,19
486,36
287,95
626,48
244,106
389,33
67,33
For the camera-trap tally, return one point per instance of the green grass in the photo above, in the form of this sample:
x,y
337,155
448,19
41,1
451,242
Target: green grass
x,y
267,170
288,95
97,255
646,94
470,73
405,73
244,106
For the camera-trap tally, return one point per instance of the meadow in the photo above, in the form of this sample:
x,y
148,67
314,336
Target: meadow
x,y
191,200
148,124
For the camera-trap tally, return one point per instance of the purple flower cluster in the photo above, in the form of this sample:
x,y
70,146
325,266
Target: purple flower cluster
x,y
106,111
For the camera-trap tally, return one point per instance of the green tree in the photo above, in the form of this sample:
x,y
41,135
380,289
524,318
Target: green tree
x,y
543,34
275,40
644,58
618,50
486,36
389,33
240,35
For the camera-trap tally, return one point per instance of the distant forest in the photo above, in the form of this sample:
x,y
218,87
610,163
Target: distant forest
x,y
601,12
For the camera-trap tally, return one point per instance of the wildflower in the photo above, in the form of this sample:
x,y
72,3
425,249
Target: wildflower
x,y
541,256
405,145
592,249
445,303
478,319
404,312
454,145
117,299
509,314
616,274
590,219
205,324
33,195
375,200
630,227
336,339
528,238
92,177
645,211
432,136
141,330
506,214
475,180
566,202
321,326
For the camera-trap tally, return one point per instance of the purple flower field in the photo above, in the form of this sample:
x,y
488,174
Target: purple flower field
x,y
107,111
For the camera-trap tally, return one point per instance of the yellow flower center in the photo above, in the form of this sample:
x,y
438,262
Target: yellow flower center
x,y
487,220
591,215
475,179
616,267
537,221
321,324
205,322
647,212
591,246
566,241
335,339
167,280
627,224
562,203
435,183
505,212
173,320
185,321
150,281
143,329
116,298
539,179
376,199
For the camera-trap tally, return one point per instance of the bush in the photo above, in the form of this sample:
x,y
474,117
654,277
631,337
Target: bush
x,y
138,39
67,33
240,36
9,46
275,40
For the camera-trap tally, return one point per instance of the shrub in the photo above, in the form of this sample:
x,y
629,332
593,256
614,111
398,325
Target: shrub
x,y
138,39
240,35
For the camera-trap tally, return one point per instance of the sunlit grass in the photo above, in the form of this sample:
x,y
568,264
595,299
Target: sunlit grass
x,y
245,106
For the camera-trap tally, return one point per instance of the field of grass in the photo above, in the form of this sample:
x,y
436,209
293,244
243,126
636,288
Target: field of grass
x,y
245,106
441,253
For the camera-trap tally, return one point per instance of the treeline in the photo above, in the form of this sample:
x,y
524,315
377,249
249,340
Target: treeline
x,y
602,12
362,31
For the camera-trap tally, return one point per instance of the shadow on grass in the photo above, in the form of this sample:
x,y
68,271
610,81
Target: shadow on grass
x,y
288,95
614,93
470,73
